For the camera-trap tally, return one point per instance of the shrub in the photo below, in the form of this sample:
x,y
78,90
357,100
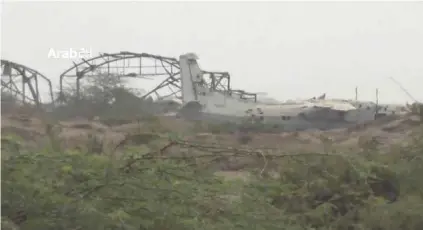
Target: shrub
x,y
81,190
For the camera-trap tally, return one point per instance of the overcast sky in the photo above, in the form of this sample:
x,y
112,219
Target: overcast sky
x,y
290,50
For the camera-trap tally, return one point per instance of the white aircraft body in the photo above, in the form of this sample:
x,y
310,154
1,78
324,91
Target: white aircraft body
x,y
204,101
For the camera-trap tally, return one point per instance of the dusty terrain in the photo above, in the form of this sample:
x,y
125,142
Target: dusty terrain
x,y
77,132
234,156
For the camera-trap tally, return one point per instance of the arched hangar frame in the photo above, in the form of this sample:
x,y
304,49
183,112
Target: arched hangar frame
x,y
14,74
121,65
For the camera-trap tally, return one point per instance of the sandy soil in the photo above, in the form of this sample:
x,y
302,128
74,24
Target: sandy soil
x,y
78,132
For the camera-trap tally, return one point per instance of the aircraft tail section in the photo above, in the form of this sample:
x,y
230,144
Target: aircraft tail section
x,y
191,77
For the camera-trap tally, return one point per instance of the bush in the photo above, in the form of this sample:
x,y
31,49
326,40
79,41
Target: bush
x,y
79,190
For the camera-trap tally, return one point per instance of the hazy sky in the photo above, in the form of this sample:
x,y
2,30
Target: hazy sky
x,y
290,50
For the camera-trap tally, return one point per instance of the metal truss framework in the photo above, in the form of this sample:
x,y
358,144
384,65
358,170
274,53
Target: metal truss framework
x,y
221,82
116,64
133,65
17,79
128,65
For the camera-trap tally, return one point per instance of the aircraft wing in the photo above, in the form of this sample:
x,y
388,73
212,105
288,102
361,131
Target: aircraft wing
x,y
335,106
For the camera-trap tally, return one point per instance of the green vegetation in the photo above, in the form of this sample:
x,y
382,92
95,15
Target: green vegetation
x,y
145,189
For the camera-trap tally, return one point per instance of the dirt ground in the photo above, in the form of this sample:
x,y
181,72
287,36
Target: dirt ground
x,y
38,131
78,131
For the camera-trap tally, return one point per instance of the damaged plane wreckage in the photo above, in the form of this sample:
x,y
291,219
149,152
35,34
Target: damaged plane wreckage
x,y
203,95
202,100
